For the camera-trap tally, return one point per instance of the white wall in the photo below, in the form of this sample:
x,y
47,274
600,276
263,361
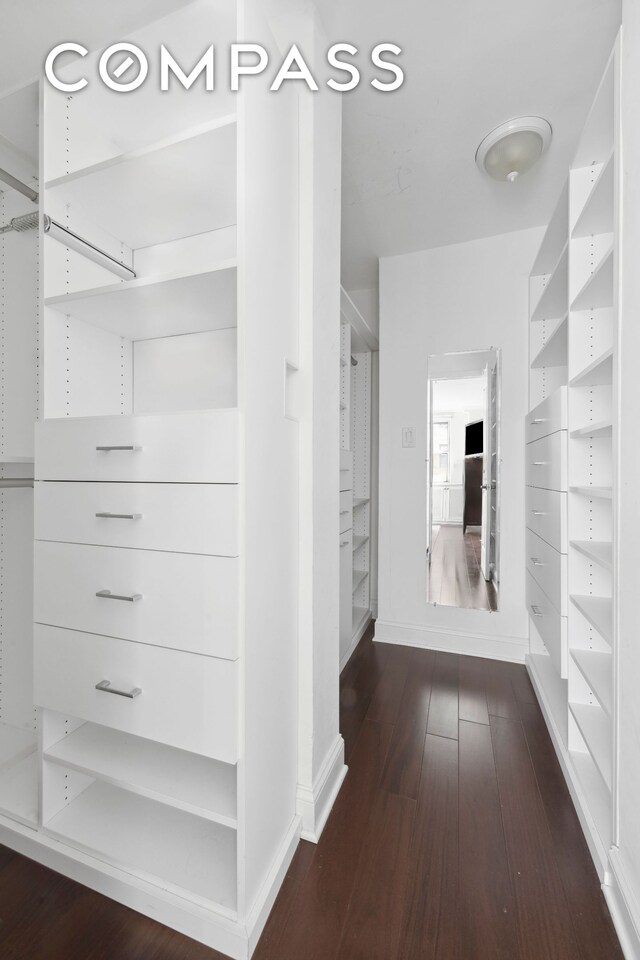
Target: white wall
x,y
468,296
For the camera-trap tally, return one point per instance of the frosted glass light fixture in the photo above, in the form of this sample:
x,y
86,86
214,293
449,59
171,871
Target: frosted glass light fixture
x,y
513,148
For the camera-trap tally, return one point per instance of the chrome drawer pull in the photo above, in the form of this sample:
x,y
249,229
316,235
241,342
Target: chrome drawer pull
x,y
109,449
105,687
119,516
344,543
536,611
538,513
536,562
107,595
539,463
539,420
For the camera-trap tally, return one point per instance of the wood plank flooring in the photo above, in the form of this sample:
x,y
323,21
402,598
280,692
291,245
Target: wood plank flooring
x,y
454,578
453,838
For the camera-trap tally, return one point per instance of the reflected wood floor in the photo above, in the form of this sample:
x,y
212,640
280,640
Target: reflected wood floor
x,y
455,578
453,838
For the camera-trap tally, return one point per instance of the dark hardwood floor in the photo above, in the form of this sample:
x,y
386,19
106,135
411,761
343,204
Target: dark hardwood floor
x,y
455,578
453,838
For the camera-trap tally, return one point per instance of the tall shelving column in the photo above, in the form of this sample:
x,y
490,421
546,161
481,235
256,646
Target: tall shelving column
x,y
593,325
546,439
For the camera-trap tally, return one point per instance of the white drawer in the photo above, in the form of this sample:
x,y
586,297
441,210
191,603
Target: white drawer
x,y
549,624
186,701
548,417
346,511
177,448
549,568
194,518
346,479
187,602
547,462
547,516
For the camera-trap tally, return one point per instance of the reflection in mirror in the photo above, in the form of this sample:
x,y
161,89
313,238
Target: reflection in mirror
x,y
463,479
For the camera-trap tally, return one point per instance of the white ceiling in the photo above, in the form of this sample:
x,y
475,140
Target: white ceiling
x,y
458,396
409,176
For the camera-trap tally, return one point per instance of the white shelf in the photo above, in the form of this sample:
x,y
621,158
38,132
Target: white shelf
x,y
593,431
555,237
554,297
597,214
359,542
164,845
596,669
597,551
359,576
598,611
19,789
601,493
150,307
555,689
596,373
196,784
595,727
554,352
597,291
15,743
360,501
597,795
359,615
177,189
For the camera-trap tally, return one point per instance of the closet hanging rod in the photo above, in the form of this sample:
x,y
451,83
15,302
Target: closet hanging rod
x,y
18,185
72,240
8,482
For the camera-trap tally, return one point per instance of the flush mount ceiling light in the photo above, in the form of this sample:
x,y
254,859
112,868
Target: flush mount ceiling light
x,y
513,148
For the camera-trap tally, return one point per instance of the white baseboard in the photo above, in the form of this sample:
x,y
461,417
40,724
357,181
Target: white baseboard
x,y
313,805
223,933
452,641
623,906
266,898
355,640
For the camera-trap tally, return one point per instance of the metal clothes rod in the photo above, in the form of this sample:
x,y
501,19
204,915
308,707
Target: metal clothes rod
x,y
8,482
22,188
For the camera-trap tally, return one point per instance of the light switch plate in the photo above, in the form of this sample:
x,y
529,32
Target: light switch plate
x,y
408,436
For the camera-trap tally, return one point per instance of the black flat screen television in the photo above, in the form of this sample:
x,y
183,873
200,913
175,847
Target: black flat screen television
x,y
473,438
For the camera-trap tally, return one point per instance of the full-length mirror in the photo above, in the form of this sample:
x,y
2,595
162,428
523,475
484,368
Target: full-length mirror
x,y
463,479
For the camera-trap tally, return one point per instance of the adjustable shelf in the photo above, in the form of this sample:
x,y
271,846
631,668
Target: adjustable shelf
x,y
555,238
359,616
553,300
599,372
602,493
153,307
596,551
597,213
149,197
167,847
593,431
597,291
597,793
360,502
359,542
598,612
595,728
554,352
595,667
187,781
19,783
555,689
359,576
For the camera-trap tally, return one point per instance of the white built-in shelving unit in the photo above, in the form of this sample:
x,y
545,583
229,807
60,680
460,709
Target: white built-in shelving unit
x,y
166,422
357,345
573,671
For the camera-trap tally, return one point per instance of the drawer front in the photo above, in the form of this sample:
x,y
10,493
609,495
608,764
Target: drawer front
x,y
200,518
186,701
346,511
547,462
548,567
346,479
547,516
186,602
176,448
549,624
548,417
